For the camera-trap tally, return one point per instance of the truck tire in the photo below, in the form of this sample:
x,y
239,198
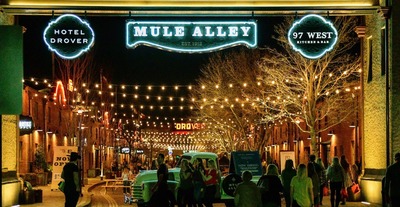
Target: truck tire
x,y
141,203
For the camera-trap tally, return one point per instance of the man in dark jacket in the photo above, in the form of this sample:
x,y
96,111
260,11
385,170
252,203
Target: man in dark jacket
x,y
392,182
70,174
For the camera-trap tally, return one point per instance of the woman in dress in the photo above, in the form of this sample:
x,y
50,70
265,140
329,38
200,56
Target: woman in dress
x,y
315,180
287,174
126,177
185,189
301,189
347,182
210,177
198,182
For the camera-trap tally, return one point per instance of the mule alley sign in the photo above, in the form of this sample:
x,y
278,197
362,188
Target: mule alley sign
x,y
312,36
68,36
191,37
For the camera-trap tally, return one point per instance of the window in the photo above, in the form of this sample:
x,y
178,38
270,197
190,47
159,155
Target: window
x,y
383,51
49,115
20,149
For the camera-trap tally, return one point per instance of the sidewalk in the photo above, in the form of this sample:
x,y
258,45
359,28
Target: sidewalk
x,y
56,198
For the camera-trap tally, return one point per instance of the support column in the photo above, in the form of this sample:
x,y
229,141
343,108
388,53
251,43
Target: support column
x,y
378,110
11,58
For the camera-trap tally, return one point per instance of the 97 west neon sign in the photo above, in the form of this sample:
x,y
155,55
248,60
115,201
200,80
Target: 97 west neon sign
x,y
191,37
312,36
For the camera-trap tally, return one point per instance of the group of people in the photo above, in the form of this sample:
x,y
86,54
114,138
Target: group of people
x,y
197,185
303,187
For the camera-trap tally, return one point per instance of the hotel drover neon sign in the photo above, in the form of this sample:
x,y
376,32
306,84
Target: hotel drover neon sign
x,y
312,36
68,36
191,37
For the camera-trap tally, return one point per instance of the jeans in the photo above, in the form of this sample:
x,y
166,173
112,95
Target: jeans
x,y
336,187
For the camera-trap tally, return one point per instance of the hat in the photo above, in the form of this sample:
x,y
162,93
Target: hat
x,y
397,156
74,156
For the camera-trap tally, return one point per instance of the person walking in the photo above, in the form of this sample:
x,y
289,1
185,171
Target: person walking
x,y
198,182
322,180
126,177
315,180
335,175
270,187
287,174
347,182
210,177
301,189
185,188
71,177
392,182
161,195
246,193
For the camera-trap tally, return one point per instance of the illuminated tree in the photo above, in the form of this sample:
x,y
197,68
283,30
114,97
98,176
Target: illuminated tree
x,y
234,122
311,90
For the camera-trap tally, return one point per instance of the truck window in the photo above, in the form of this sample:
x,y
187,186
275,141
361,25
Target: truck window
x,y
178,164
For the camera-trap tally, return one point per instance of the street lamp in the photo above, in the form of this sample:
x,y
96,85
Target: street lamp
x,y
81,142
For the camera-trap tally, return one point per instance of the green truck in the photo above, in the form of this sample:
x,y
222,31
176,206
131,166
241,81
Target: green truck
x,y
240,161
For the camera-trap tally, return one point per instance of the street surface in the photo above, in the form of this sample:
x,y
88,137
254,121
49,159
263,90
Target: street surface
x,y
99,198
114,198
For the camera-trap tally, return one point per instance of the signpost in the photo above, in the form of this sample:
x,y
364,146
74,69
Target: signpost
x,y
312,36
191,37
59,160
245,160
68,36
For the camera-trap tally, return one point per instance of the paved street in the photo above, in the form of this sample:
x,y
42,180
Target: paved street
x,y
96,195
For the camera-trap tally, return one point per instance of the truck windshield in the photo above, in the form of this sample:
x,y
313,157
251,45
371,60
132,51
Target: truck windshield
x,y
186,157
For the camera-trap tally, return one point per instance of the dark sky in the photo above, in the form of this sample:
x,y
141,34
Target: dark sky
x,y
143,65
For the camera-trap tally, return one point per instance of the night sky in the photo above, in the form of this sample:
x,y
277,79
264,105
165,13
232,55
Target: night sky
x,y
142,65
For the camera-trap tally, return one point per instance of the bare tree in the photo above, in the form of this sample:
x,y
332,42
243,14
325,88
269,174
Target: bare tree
x,y
310,90
81,71
220,98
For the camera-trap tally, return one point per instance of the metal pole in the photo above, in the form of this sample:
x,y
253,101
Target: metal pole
x,y
80,148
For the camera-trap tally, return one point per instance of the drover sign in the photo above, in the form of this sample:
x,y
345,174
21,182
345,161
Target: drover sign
x,y
68,36
312,36
190,126
191,37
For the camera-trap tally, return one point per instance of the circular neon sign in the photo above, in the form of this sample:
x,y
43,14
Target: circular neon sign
x,y
312,36
68,36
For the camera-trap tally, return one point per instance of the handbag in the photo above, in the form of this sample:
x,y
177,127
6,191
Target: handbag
x,y
325,190
344,193
61,186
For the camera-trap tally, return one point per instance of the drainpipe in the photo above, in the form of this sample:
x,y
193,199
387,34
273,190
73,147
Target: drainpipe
x,y
385,13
